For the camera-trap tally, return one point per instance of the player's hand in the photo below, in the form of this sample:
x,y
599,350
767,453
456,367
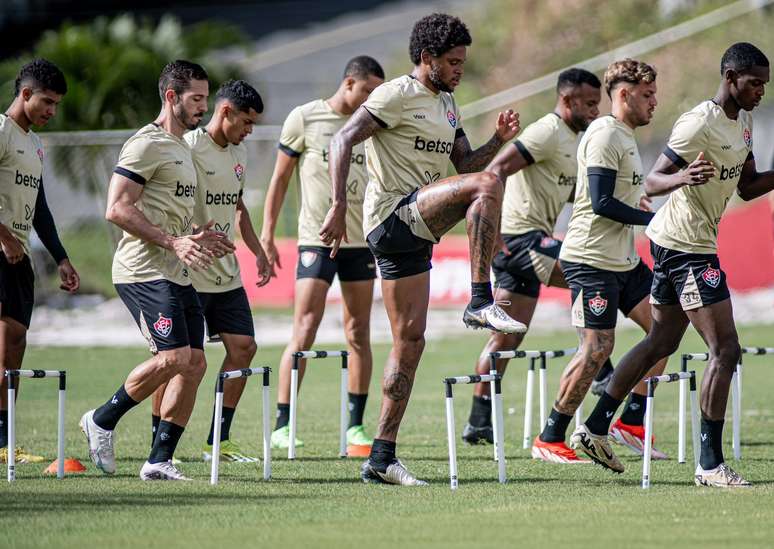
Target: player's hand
x,y
13,250
645,203
500,245
699,171
69,277
272,254
191,252
507,126
265,269
334,229
216,242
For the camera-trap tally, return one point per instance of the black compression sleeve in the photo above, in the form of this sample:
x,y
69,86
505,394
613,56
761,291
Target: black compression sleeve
x,y
43,223
601,189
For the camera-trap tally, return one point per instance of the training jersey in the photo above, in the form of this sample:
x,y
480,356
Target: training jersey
x,y
220,180
412,148
21,173
592,239
535,195
688,221
306,134
162,164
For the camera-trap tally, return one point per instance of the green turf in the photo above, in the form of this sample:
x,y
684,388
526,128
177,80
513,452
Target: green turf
x,y
318,501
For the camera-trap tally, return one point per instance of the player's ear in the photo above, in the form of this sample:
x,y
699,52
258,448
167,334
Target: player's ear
x,y
730,75
425,58
170,96
26,93
349,83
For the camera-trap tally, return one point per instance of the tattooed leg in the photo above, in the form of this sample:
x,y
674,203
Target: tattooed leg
x,y
594,349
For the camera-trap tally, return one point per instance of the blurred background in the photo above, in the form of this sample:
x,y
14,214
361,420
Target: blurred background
x,y
294,51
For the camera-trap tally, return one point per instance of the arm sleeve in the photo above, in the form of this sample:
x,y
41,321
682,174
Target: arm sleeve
x,y
43,223
537,142
138,160
601,188
688,139
385,104
292,137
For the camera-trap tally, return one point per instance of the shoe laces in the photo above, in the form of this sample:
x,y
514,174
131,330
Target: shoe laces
x,y
730,474
169,469
105,440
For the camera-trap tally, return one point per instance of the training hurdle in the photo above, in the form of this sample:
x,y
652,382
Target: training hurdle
x,y
534,356
265,399
297,356
497,423
652,383
736,398
12,377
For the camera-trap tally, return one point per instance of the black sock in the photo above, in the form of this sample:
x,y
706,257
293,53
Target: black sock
x,y
357,405
481,293
604,371
283,415
481,412
154,427
166,441
3,428
382,452
711,444
599,420
225,425
107,415
634,412
555,428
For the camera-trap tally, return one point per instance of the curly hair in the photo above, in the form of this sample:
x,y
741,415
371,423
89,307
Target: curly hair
x,y
40,74
240,94
628,71
437,33
741,57
177,75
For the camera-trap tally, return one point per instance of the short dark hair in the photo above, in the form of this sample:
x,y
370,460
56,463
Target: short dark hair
x,y
40,74
741,57
240,94
363,66
437,33
178,75
574,78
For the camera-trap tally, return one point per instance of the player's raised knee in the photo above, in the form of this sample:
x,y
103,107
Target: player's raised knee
x,y
490,184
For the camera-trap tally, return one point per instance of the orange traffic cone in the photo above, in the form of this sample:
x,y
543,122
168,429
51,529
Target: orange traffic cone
x,y
356,450
71,465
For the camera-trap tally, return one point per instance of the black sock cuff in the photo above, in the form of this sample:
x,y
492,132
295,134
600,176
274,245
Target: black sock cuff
x,y
171,428
383,451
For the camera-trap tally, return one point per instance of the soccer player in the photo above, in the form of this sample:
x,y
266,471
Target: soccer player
x,y
220,160
598,257
38,90
304,143
709,154
541,170
151,197
412,126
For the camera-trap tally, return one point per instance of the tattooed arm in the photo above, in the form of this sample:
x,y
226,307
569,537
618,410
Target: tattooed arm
x,y
360,127
466,160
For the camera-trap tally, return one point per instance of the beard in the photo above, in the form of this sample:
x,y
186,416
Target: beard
x,y
187,119
435,79
580,122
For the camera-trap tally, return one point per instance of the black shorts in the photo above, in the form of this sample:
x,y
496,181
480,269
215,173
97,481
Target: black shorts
x,y
169,315
17,289
598,294
351,264
692,280
227,312
398,251
532,259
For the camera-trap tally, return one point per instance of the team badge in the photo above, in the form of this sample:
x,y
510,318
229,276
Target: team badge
x,y
548,242
711,277
308,259
40,154
451,118
598,305
163,325
747,135
239,171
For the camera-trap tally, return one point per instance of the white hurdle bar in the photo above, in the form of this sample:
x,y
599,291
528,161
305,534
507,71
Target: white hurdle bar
x,y
652,383
497,424
11,377
534,356
266,431
297,357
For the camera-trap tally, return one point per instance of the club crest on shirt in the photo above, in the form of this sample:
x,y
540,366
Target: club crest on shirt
x,y
40,154
451,118
163,325
239,171
597,305
308,259
747,135
711,277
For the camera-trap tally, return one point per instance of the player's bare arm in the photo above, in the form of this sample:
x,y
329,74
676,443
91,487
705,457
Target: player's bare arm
x,y
666,176
753,183
275,196
360,127
246,231
466,160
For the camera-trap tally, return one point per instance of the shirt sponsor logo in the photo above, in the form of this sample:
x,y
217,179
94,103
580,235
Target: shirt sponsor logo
x,y
221,199
731,173
566,181
27,180
598,305
711,277
28,212
223,228
239,171
747,135
357,158
185,190
419,117
437,146
451,118
163,325
636,179
431,177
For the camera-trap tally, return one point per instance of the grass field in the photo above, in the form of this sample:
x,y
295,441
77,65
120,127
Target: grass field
x,y
318,501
